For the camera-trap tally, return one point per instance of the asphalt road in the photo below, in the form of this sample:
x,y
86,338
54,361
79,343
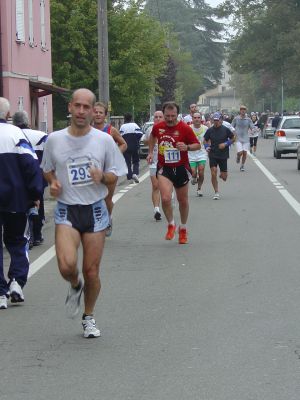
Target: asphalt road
x,y
217,319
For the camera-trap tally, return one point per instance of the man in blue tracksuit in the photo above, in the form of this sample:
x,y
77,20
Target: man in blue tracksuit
x,y
132,134
20,184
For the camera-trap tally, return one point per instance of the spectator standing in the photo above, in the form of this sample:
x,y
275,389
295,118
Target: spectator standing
x,y
275,121
20,184
37,140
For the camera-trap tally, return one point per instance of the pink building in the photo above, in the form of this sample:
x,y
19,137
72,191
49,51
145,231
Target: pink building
x,y
25,59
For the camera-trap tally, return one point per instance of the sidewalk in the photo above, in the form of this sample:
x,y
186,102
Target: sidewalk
x,y
122,181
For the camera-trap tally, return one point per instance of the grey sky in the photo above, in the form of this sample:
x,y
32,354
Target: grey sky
x,y
214,3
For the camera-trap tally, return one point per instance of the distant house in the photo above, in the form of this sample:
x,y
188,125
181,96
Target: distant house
x,y
25,59
222,97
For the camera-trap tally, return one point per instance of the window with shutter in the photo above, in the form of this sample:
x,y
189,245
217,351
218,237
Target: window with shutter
x,y
20,28
30,21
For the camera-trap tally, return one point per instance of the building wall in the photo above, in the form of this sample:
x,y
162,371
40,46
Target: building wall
x,y
23,61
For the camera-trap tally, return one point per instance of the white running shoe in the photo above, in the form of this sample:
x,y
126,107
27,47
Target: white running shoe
x,y
194,181
16,293
90,329
216,196
72,303
135,178
199,193
3,302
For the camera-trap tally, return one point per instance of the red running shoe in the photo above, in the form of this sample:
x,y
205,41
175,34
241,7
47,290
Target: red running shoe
x,y
183,238
171,232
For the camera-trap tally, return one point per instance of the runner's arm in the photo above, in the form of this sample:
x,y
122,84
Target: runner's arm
x,y
152,142
118,139
54,184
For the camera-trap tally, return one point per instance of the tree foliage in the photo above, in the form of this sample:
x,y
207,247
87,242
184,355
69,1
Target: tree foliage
x,y
197,52
266,43
137,52
138,56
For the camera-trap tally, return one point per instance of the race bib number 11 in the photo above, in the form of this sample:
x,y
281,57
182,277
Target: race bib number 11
x,y
172,155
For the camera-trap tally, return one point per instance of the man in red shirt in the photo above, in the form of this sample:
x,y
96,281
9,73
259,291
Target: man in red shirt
x,y
174,140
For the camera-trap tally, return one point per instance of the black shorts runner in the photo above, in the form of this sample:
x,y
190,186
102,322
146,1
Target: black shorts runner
x,y
83,218
221,162
179,176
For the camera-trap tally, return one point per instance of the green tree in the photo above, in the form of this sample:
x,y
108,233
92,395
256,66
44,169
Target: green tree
x,y
199,53
137,52
266,43
138,56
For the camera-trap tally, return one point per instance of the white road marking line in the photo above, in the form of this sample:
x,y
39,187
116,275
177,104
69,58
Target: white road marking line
x,y
41,261
291,200
285,194
47,256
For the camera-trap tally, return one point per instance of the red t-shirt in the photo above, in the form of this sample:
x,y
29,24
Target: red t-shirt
x,y
167,138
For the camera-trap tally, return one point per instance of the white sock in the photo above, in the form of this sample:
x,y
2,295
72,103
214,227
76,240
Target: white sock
x,y
156,209
183,226
172,222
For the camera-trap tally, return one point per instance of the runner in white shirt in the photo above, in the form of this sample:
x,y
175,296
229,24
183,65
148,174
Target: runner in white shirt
x,y
188,119
198,158
158,117
79,164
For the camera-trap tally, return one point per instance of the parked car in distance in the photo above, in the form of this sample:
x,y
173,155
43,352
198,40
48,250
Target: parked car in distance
x,y
268,129
144,148
287,136
298,158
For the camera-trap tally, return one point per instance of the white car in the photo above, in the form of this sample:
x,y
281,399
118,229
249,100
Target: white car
x,y
287,136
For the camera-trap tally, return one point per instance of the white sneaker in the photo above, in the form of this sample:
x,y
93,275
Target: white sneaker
x,y
199,193
90,329
216,196
72,303
3,302
194,181
16,293
135,178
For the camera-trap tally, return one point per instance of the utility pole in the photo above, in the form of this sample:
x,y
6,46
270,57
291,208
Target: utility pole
x,y
282,101
103,68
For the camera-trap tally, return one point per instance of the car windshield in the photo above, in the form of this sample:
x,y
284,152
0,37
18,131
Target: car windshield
x,y
292,123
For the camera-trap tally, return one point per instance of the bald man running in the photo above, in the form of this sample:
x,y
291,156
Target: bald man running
x,y
79,164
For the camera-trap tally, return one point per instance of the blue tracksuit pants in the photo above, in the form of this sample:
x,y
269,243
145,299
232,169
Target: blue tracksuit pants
x,y
13,227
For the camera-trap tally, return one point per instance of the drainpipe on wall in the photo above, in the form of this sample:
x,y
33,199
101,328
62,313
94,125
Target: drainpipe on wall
x,y
1,66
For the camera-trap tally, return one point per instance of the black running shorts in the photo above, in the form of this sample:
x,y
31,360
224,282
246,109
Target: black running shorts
x,y
179,176
221,162
83,218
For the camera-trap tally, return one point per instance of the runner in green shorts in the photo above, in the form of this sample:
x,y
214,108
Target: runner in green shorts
x,y
198,158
